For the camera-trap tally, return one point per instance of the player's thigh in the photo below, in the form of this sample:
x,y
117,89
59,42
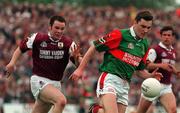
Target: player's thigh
x,y
41,107
110,83
121,108
108,101
51,94
168,101
143,105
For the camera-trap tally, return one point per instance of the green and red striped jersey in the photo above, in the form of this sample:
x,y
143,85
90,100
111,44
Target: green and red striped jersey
x,y
123,53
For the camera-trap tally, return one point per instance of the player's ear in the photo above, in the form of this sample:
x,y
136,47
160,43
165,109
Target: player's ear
x,y
50,27
135,22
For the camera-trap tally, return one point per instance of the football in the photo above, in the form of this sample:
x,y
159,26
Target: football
x,y
151,87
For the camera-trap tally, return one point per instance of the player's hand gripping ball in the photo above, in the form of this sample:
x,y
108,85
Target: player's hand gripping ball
x,y
151,87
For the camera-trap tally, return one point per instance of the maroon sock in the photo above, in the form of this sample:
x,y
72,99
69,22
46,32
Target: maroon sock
x,y
96,108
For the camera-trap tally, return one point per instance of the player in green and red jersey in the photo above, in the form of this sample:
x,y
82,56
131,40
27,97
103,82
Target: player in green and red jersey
x,y
125,52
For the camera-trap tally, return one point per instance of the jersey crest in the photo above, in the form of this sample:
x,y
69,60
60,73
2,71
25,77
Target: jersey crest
x,y
60,45
163,54
43,44
131,46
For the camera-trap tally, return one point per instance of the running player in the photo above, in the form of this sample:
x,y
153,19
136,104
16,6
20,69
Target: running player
x,y
50,53
163,56
125,52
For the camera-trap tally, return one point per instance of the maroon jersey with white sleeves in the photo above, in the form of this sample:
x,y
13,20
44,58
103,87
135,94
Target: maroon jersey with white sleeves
x,y
161,54
50,57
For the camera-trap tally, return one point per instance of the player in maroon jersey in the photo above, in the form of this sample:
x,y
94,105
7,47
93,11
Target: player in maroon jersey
x,y
50,53
163,56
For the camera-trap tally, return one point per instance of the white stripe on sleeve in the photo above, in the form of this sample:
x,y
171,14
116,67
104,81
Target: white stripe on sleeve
x,y
72,47
152,55
30,41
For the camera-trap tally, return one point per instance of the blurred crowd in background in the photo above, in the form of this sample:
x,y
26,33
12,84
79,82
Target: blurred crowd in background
x,y
84,24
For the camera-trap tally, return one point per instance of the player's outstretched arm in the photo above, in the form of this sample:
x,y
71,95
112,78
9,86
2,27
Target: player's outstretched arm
x,y
10,66
175,71
145,74
178,74
164,66
77,74
76,55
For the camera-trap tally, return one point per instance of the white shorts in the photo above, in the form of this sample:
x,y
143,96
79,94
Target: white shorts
x,y
38,83
110,83
164,90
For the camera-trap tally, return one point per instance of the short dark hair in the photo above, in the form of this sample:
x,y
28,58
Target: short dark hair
x,y
167,28
146,15
58,18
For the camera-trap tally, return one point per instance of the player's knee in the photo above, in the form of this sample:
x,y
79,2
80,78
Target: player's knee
x,y
61,102
172,110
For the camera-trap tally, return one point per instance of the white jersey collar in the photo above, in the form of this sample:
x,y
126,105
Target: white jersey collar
x,y
50,37
133,33
163,46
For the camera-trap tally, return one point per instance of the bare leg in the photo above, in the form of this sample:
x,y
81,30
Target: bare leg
x,y
150,109
169,102
121,108
143,105
109,103
41,107
52,95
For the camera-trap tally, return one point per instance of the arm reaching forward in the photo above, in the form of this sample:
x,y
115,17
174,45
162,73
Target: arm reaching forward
x,y
10,66
77,74
145,74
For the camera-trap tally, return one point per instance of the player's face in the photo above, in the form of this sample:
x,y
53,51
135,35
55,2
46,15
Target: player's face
x,y
142,27
167,38
57,29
